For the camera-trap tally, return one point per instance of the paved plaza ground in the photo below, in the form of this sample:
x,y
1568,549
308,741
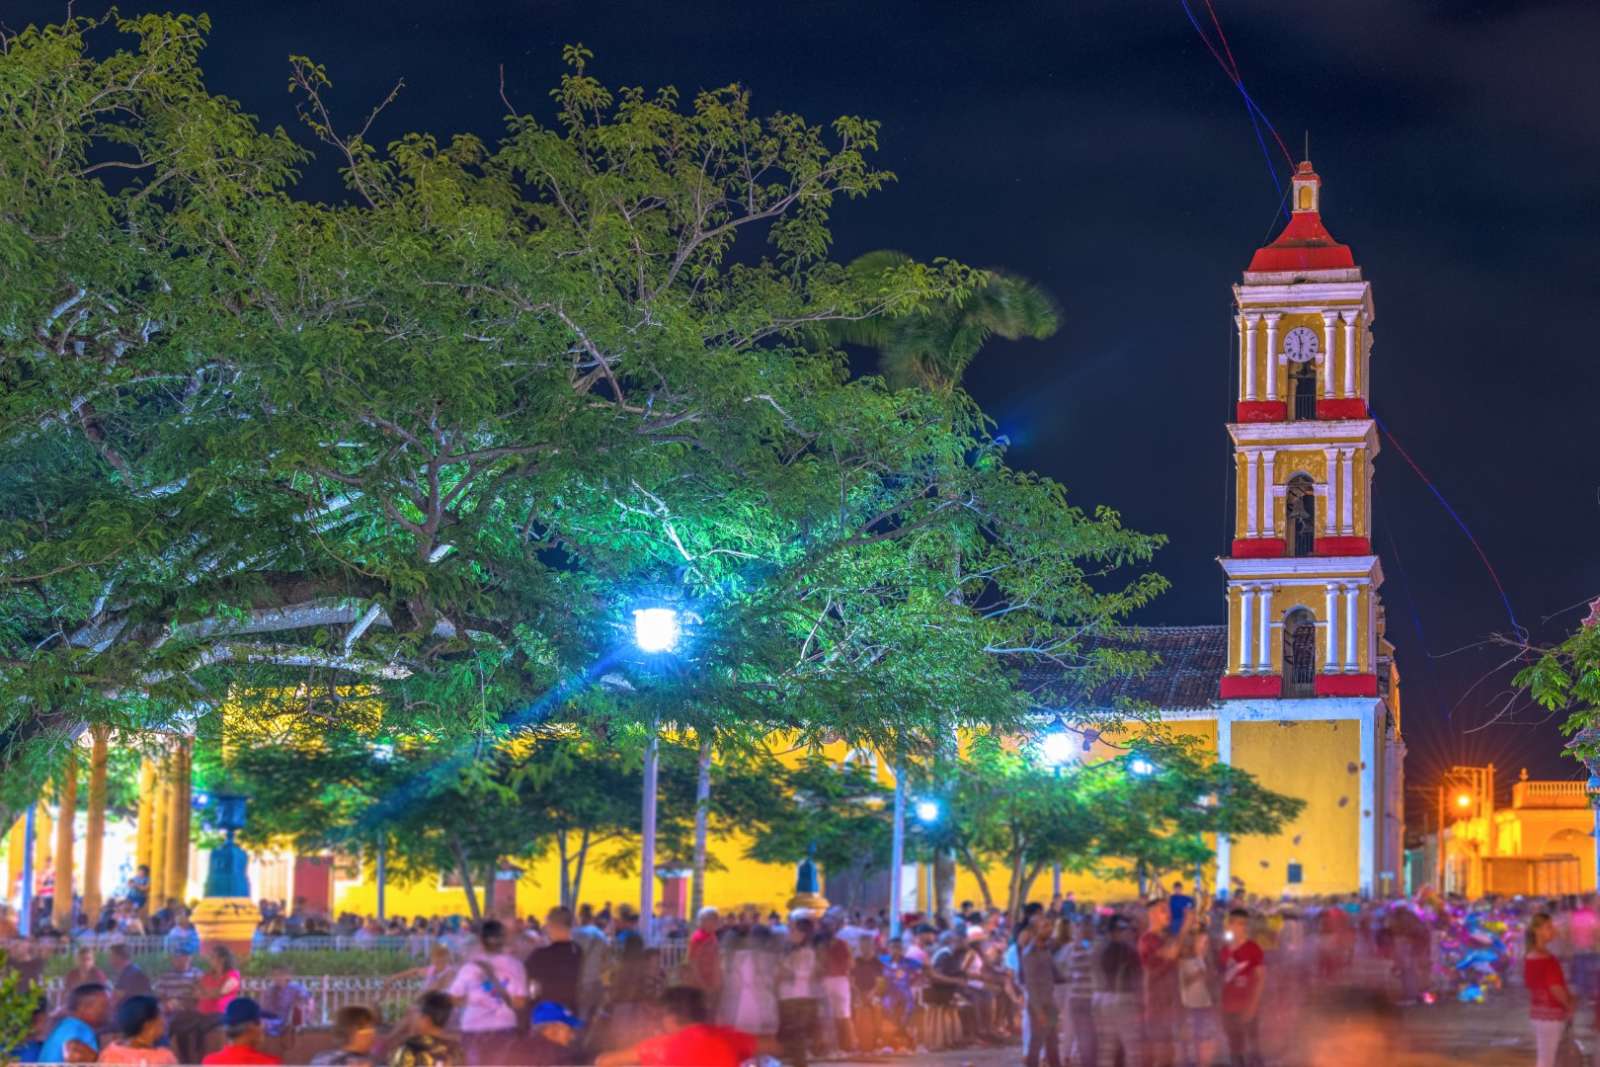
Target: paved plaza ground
x,y
1494,1034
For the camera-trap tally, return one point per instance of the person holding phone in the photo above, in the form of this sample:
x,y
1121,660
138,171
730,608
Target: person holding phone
x,y
1243,966
491,989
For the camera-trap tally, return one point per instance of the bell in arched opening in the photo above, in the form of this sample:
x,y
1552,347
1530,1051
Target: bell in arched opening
x,y
1299,654
1300,516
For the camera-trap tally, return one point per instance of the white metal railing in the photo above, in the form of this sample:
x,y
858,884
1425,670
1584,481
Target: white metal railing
x,y
156,944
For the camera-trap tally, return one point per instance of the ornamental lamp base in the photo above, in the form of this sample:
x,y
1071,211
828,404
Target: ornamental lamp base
x,y
227,921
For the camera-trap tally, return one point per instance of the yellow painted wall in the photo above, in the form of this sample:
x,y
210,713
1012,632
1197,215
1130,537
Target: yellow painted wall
x,y
1319,762
539,889
744,881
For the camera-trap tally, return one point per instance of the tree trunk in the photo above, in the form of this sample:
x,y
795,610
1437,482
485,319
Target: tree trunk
x,y
566,872
702,815
464,871
490,870
1014,889
577,876
970,863
1029,878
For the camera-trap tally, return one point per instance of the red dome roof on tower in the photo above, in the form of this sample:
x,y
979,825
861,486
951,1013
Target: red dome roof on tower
x,y
1305,244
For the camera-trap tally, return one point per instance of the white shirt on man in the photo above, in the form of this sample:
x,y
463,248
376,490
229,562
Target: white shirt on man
x,y
485,1011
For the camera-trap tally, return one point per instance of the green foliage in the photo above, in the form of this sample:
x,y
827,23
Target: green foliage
x,y
1567,678
312,963
433,441
932,348
1006,809
16,1008
540,792
839,814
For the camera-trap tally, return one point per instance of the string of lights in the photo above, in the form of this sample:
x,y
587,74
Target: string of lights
x,y
1258,118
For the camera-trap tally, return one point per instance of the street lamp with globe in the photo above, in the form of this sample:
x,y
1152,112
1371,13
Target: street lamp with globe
x,y
657,631
1057,748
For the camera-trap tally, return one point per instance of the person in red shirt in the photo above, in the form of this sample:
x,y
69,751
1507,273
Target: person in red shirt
x,y
1549,998
705,962
1243,977
690,1040
1158,955
241,1021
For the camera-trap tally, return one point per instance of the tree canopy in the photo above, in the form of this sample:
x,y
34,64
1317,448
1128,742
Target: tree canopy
x,y
438,436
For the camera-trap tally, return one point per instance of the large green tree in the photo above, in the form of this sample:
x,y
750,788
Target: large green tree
x,y
437,437
1154,810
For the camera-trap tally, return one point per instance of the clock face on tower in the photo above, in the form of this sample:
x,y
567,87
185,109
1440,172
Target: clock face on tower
x,y
1300,344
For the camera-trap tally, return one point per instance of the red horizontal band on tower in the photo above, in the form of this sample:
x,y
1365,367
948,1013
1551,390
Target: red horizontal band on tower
x,y
1238,686
1346,685
1342,546
1259,547
1263,411
1341,407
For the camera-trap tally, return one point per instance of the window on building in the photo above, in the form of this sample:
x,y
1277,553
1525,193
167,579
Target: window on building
x,y
1296,874
1299,654
1300,515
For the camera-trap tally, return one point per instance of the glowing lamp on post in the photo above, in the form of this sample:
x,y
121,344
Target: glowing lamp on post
x,y
655,629
927,811
1141,767
1056,747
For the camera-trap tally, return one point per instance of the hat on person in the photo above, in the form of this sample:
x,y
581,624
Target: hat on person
x,y
240,1012
976,933
551,1012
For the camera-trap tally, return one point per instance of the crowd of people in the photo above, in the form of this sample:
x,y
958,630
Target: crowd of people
x,y
1174,981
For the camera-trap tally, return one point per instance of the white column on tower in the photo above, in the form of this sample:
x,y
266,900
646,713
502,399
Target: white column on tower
x,y
1247,353
1351,351
1264,622
1330,457
1272,354
1347,498
1274,502
1252,521
1351,592
1328,319
1269,479
1330,654
1247,659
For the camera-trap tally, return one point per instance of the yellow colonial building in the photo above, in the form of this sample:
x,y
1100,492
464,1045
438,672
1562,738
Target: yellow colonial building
x,y
1544,843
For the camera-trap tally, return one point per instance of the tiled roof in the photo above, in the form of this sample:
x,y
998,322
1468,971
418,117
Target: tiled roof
x,y
1191,662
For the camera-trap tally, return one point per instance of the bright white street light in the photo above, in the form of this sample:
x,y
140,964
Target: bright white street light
x,y
1141,766
927,811
655,629
1057,747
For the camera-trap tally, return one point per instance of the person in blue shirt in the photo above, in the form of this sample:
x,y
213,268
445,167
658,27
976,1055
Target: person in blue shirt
x,y
183,937
88,1008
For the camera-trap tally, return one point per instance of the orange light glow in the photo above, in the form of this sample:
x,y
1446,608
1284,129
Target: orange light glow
x,y
1464,800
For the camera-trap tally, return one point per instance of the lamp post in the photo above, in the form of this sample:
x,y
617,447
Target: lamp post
x,y
897,852
1056,749
1586,742
927,811
655,632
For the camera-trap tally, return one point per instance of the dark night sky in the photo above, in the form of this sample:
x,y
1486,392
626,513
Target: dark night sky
x,y
1095,146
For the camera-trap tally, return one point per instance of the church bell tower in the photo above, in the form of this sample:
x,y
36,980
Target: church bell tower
x,y
1303,610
